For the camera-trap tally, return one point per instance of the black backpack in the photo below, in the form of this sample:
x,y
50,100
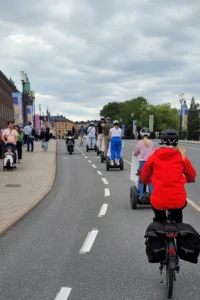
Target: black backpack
x,y
188,243
33,132
155,242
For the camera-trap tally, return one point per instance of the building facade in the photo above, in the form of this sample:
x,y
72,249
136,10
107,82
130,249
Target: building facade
x,y
59,125
6,104
85,124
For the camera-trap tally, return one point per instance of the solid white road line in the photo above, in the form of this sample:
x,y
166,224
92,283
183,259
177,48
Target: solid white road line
x,y
99,173
103,210
194,205
191,148
106,192
63,294
104,181
126,161
89,161
94,166
89,241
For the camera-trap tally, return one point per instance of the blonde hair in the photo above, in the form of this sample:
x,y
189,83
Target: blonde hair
x,y
181,150
146,141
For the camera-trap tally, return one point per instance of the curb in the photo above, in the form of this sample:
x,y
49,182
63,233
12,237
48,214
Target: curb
x,y
34,204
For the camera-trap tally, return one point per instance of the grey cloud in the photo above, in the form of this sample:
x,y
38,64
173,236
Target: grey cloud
x,y
90,52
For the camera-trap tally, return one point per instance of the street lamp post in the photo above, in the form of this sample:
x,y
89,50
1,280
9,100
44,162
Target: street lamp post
x,y
23,80
181,99
33,96
40,108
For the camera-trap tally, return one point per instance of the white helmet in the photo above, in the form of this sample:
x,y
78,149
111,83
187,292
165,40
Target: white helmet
x,y
116,122
144,132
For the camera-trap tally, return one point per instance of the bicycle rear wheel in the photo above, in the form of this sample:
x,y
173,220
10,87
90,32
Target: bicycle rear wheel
x,y
169,281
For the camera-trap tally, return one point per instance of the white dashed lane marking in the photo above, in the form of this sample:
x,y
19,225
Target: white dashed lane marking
x,y
104,180
94,166
99,173
103,210
63,294
89,241
106,192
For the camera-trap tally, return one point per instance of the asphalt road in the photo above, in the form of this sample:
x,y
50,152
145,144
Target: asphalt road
x,y
45,254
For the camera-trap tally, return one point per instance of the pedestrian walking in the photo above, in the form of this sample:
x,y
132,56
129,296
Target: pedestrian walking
x,y
45,137
10,135
30,137
19,142
25,134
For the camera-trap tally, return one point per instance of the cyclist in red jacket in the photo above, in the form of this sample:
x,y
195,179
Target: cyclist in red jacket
x,y
168,169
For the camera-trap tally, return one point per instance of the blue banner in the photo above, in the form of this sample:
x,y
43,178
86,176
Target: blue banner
x,y
123,130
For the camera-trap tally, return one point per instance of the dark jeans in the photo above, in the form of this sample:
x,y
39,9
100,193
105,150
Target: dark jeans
x,y
30,141
176,215
19,149
25,139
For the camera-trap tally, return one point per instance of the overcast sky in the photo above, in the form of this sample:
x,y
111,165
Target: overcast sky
x,y
82,54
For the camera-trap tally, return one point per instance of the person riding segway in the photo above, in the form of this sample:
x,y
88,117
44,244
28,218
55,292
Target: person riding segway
x,y
114,156
91,133
143,149
100,127
105,143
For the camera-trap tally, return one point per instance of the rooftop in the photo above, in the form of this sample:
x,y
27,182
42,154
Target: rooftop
x,y
58,118
9,82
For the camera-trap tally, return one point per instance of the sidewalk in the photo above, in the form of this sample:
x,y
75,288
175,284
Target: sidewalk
x,y
35,175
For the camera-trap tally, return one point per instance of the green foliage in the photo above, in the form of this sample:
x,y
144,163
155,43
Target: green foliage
x,y
111,110
193,116
164,115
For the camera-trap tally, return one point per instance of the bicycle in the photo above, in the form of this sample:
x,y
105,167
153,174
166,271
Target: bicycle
x,y
171,262
82,138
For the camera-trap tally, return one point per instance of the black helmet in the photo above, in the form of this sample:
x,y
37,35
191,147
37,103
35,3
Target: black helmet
x,y
108,120
169,137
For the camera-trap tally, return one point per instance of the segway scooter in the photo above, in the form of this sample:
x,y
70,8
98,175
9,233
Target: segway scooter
x,y
102,155
99,145
134,199
89,146
114,166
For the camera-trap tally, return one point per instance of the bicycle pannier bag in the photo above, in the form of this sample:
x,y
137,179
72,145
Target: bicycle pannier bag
x,y
155,242
188,243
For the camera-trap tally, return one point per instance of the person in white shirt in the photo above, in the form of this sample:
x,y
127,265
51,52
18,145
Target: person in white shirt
x,y
115,137
91,131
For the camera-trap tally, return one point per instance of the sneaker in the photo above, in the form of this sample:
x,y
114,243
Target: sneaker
x,y
112,163
117,162
137,173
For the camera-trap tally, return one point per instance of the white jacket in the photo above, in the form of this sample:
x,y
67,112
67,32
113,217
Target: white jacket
x,y
91,131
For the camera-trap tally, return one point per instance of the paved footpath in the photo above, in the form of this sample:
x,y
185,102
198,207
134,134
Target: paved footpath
x,y
35,175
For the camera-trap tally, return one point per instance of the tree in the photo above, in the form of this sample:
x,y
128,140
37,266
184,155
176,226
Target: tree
x,y
111,110
193,116
137,109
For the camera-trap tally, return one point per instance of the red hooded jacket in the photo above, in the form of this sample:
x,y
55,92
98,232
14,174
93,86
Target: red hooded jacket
x,y
168,171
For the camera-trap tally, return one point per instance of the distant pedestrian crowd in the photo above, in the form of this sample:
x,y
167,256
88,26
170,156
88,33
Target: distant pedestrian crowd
x,y
13,139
